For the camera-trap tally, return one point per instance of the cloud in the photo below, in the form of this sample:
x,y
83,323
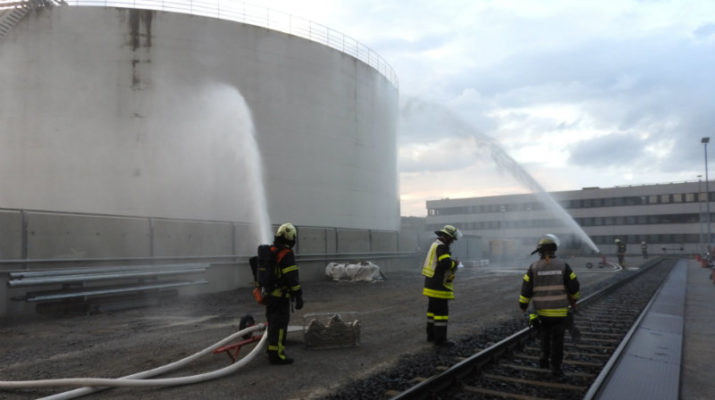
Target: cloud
x,y
439,156
608,151
705,31
594,94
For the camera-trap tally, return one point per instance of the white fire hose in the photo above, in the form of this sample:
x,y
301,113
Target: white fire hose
x,y
137,379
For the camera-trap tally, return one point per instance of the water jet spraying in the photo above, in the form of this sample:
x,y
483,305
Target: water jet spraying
x,y
247,155
417,108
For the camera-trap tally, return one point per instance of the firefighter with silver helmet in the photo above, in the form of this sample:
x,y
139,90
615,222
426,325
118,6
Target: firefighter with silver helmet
x,y
439,270
552,286
278,301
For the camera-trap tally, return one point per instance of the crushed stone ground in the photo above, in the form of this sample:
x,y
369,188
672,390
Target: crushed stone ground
x,y
391,315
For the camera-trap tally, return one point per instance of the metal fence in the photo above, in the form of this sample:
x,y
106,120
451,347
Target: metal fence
x,y
251,14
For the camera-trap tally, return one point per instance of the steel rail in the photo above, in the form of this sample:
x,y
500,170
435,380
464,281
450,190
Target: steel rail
x,y
473,364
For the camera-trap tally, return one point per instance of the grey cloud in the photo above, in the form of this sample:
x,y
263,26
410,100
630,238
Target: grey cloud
x,y
705,31
398,46
613,150
659,85
423,122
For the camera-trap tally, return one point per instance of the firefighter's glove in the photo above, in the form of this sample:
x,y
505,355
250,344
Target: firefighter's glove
x,y
534,321
299,302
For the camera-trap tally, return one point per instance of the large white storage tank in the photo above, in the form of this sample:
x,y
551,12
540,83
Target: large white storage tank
x,y
152,113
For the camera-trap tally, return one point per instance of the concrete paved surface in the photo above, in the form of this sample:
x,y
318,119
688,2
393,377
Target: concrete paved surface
x,y
697,375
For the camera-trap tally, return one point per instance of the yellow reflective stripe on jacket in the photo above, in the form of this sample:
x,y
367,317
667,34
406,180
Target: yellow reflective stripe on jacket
x,y
289,269
279,293
295,288
443,256
526,278
524,300
572,276
576,295
441,317
553,312
438,294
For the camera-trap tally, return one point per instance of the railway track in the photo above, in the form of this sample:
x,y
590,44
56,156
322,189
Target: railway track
x,y
507,366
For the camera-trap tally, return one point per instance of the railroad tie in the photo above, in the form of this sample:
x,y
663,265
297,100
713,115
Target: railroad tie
x,y
504,395
554,385
544,370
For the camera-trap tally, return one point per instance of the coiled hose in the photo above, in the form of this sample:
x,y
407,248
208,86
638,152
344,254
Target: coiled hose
x,y
137,380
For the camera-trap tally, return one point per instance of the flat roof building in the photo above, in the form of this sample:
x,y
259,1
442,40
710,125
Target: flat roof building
x,y
670,218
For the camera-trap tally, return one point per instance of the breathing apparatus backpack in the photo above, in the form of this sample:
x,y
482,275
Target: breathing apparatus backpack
x,y
266,276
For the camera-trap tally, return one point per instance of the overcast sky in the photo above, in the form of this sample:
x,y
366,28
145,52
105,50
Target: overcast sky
x,y
580,93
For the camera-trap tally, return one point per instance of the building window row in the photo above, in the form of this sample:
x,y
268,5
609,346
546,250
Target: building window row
x,y
638,200
583,221
661,238
642,219
575,203
487,208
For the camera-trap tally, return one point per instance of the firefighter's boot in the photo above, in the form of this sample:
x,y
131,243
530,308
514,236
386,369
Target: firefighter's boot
x,y
276,359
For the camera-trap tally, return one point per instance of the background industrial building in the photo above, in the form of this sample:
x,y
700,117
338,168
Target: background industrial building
x,y
670,218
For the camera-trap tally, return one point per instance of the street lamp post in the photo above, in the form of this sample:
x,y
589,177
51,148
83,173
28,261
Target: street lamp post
x,y
705,142
700,212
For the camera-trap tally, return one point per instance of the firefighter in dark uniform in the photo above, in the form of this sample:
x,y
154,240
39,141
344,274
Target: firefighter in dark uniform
x,y
278,302
552,286
620,251
439,269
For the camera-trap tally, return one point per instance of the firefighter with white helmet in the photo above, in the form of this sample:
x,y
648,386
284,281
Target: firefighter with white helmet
x,y
278,301
552,286
439,270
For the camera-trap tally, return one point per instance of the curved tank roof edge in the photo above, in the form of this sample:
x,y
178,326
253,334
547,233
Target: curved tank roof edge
x,y
260,16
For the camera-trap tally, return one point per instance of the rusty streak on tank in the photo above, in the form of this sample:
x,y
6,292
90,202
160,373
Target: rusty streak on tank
x,y
137,20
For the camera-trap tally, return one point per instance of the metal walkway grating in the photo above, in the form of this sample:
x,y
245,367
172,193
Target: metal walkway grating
x,y
649,368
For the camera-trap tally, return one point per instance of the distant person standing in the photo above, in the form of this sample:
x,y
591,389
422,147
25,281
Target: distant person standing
x,y
620,251
552,286
439,270
644,249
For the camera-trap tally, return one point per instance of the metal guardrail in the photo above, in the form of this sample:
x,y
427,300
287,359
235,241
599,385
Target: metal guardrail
x,y
251,14
77,275
41,297
211,259
70,278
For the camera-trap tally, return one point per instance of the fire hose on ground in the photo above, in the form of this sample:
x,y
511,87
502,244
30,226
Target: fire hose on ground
x,y
91,385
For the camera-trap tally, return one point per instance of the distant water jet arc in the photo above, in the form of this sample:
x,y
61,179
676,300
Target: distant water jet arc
x,y
503,160
419,109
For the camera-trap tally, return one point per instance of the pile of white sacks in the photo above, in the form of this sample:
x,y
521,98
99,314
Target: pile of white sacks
x,y
365,271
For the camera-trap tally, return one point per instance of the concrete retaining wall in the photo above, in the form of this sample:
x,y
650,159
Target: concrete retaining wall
x,y
32,240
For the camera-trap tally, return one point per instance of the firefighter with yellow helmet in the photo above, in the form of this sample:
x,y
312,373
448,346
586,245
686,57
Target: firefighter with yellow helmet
x,y
439,270
552,286
278,301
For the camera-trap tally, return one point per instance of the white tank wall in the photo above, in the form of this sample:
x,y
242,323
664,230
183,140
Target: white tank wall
x,y
140,113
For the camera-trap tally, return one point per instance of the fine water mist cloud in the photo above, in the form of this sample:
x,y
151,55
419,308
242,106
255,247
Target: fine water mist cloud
x,y
484,145
200,144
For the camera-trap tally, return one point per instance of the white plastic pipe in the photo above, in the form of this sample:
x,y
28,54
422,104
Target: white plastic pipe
x,y
135,380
